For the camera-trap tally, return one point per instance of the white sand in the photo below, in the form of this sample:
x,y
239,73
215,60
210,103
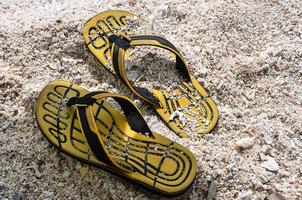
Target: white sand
x,y
248,54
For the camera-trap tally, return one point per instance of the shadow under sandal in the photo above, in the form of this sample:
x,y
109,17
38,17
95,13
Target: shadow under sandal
x,y
85,126
187,109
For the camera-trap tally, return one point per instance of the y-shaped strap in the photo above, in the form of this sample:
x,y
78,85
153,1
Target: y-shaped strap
x,y
120,46
89,128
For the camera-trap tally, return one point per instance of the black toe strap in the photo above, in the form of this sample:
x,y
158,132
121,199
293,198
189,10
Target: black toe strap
x,y
95,143
118,59
122,43
80,101
89,128
132,113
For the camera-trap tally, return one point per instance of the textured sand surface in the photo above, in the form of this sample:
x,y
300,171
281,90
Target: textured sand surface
x,y
248,54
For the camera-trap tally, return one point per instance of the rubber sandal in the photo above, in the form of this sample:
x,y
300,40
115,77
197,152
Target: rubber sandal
x,y
83,125
187,106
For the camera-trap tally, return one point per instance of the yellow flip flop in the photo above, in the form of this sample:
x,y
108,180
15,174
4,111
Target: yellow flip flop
x,y
83,125
189,103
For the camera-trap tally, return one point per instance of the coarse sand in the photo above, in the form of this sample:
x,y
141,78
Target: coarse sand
x,y
247,54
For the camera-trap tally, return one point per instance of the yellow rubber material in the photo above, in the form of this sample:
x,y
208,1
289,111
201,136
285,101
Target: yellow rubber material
x,y
190,98
157,163
97,30
196,104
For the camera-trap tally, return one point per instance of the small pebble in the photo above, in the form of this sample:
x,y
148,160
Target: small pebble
x,y
132,75
245,195
275,196
212,191
276,52
66,174
245,143
268,139
6,125
270,164
48,194
83,171
128,65
37,172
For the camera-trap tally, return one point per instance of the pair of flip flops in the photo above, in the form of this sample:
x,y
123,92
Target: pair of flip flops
x,y
86,126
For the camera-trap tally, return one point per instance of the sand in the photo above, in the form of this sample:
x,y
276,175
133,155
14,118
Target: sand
x,y
248,54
